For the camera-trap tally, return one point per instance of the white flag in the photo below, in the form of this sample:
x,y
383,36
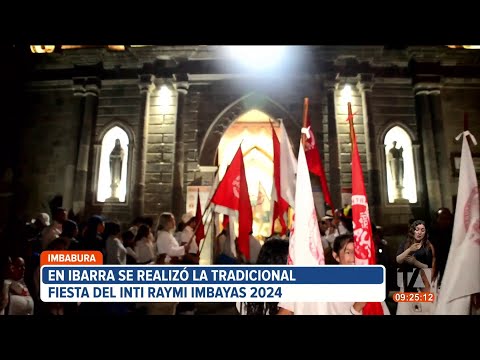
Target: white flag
x,y
305,242
288,168
462,272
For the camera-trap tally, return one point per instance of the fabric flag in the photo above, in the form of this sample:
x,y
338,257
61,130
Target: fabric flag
x,y
288,168
232,197
362,230
200,233
280,205
462,272
315,162
305,242
261,213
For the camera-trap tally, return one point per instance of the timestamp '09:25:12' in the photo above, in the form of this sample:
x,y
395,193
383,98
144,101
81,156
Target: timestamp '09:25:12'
x,y
413,297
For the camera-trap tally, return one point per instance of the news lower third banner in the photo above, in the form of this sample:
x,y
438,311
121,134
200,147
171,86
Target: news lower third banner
x,y
72,277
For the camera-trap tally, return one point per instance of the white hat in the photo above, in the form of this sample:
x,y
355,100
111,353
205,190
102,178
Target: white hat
x,y
43,218
187,217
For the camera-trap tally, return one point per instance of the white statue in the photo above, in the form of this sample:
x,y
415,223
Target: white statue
x,y
116,162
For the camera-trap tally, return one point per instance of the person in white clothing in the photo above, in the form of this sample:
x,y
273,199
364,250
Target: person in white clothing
x,y
188,237
169,252
144,248
168,249
343,252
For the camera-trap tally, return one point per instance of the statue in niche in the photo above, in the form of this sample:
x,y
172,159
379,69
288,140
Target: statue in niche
x,y
116,161
395,159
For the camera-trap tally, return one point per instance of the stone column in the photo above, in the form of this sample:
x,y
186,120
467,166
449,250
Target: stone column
x,y
178,196
365,85
334,157
146,86
422,193
82,178
441,147
78,108
424,119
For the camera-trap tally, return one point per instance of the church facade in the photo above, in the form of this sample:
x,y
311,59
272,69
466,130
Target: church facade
x,y
170,106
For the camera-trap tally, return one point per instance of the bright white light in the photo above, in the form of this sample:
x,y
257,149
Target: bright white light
x,y
257,57
346,95
410,187
165,100
104,177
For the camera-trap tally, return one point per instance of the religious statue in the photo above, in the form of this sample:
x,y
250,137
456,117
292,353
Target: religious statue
x,y
395,159
116,161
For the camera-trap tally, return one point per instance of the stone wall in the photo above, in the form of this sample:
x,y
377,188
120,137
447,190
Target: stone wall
x,y
455,102
391,105
160,153
50,137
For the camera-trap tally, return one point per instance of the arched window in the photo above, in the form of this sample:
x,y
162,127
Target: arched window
x,y
112,173
401,179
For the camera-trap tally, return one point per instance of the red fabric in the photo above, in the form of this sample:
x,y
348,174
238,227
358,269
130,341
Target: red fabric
x,y
232,193
200,233
280,206
245,216
362,230
314,163
225,221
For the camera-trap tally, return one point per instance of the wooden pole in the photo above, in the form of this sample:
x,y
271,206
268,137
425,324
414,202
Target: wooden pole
x,y
304,119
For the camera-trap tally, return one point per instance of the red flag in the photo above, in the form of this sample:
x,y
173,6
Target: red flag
x,y
200,233
314,161
232,195
280,206
362,230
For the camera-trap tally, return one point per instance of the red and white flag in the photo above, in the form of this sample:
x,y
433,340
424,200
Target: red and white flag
x,y
200,233
305,242
232,198
462,272
315,162
362,229
280,205
288,168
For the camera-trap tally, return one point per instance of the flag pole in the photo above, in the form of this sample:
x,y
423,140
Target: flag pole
x,y
206,232
350,120
304,119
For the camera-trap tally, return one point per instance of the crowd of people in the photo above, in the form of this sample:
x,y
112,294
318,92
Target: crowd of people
x,y
421,258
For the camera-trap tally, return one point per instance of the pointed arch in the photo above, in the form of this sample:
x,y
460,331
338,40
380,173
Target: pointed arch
x,y
232,112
